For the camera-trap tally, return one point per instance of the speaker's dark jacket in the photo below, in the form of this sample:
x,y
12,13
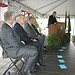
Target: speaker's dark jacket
x,y
52,20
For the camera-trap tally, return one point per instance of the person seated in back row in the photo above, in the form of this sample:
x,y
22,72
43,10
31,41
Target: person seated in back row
x,y
31,32
40,34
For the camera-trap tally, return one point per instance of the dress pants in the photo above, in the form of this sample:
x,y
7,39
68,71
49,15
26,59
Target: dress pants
x,y
30,52
39,49
41,40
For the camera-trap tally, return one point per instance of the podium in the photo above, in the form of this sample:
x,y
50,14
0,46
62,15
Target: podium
x,y
59,29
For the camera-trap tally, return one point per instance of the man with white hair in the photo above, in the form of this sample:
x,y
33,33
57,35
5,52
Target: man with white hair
x,y
20,20
12,45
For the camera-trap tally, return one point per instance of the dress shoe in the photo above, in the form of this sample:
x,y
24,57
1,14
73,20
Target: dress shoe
x,y
39,65
34,70
45,48
27,72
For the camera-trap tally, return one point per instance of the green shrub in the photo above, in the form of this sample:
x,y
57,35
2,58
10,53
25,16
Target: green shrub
x,y
53,40
67,38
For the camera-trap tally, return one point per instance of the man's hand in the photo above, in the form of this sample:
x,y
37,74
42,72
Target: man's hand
x,y
23,42
34,40
42,34
39,36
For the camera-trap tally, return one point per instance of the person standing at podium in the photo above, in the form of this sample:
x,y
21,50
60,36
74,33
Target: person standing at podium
x,y
52,19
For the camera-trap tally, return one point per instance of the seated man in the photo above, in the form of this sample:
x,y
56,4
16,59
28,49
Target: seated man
x,y
24,36
40,34
31,32
34,27
13,46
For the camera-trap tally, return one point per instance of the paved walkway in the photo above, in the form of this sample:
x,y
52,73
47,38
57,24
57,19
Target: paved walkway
x,y
51,62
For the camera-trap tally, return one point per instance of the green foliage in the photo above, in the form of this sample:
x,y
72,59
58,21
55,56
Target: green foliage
x,y
53,40
67,37
34,16
37,25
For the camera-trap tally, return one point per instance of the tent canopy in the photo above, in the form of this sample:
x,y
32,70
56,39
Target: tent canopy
x,y
46,7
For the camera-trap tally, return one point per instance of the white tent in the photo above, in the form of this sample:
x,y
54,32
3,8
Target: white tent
x,y
46,7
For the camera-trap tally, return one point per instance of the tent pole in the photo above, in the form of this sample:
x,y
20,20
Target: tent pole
x,y
56,6
47,4
73,25
30,8
0,13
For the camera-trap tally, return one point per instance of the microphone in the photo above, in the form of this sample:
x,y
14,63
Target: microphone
x,y
57,17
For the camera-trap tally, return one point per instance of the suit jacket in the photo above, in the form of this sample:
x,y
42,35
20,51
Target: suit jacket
x,y
52,20
30,31
34,27
10,41
22,33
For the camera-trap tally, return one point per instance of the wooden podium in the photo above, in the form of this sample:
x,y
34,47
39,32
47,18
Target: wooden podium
x,y
59,29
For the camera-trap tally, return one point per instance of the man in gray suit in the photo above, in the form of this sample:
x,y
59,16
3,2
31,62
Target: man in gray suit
x,y
18,27
31,32
12,45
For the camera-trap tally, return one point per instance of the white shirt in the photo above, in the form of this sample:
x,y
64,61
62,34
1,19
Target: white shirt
x,y
19,23
29,24
9,24
33,28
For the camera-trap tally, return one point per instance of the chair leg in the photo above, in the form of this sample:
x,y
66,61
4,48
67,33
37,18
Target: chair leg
x,y
8,73
8,68
14,64
16,67
22,61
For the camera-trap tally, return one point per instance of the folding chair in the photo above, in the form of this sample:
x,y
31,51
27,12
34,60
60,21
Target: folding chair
x,y
14,61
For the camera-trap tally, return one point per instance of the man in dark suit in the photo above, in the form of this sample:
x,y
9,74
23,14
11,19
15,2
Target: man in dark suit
x,y
34,27
39,34
24,36
52,19
31,32
13,47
